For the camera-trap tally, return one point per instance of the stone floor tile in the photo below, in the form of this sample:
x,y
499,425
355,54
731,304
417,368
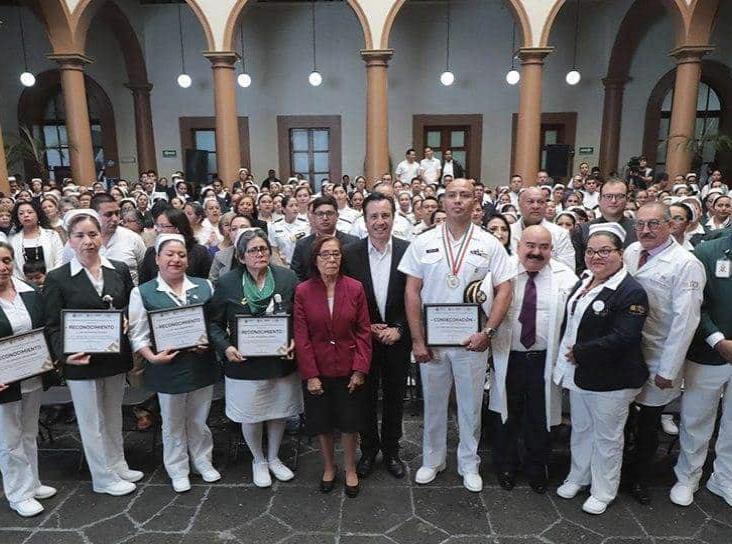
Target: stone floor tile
x,y
84,507
616,521
417,531
376,509
360,539
518,540
151,500
502,507
56,537
466,514
305,509
715,532
8,537
266,529
664,518
173,518
116,528
155,538
209,538
10,519
321,538
566,532
228,507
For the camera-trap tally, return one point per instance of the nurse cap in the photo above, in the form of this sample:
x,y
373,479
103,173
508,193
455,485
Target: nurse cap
x,y
613,228
69,215
160,240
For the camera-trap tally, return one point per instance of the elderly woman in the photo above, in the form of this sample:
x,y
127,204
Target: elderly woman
x,y
34,240
333,339
172,221
225,260
183,380
601,363
97,382
21,310
259,390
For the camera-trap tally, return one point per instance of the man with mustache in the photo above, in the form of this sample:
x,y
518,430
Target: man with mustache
x,y
674,280
524,399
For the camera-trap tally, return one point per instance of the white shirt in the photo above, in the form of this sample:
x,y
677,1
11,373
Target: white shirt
x,y
425,259
430,169
577,305
562,248
125,246
346,218
98,284
402,228
543,281
49,240
447,169
139,327
590,200
380,264
20,321
712,225
284,235
406,171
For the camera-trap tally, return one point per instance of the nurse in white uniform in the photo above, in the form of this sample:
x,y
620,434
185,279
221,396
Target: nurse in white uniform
x,y
284,233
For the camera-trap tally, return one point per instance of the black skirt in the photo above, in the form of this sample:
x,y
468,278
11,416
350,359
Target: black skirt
x,y
336,409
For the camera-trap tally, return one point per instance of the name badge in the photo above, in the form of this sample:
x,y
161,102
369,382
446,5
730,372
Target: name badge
x,y
723,268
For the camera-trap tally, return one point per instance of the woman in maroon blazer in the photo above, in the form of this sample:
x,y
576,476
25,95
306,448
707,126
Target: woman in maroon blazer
x,y
333,346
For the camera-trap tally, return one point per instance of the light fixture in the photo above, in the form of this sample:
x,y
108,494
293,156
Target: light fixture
x,y
184,80
447,78
573,76
27,79
315,78
244,80
513,76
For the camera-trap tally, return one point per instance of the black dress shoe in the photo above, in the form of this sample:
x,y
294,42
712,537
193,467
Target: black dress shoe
x,y
538,485
365,465
640,493
395,466
326,486
352,490
506,480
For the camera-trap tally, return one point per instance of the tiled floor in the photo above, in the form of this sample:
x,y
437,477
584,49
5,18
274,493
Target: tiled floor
x,y
386,511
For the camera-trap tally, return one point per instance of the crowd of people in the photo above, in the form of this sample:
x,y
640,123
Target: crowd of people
x,y
610,292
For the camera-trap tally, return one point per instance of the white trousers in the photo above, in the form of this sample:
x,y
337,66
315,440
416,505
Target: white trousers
x,y
704,385
19,446
598,422
467,370
184,429
98,407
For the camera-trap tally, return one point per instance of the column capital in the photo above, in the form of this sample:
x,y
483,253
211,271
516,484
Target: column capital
x,y
222,59
70,61
534,55
377,57
690,53
615,82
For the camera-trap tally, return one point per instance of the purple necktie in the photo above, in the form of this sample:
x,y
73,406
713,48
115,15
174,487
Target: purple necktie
x,y
643,259
527,317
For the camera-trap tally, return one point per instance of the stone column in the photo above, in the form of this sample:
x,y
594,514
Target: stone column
x,y
144,135
683,111
612,114
4,186
528,129
377,112
228,153
81,153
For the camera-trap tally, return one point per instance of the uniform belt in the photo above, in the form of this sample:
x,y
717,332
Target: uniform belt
x,y
529,354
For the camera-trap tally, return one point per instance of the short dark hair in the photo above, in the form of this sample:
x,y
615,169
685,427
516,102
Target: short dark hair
x,y
410,150
34,267
42,218
179,220
99,199
324,200
377,197
495,215
685,207
317,245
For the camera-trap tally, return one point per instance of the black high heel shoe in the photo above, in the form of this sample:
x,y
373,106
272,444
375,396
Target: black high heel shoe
x,y
352,490
326,486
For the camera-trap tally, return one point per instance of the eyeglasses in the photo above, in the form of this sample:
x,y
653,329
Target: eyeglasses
x,y
603,252
325,255
608,196
653,224
323,215
257,250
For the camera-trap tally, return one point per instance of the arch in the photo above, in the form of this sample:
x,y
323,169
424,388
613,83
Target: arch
x,y
549,22
236,10
55,18
702,19
85,10
516,7
715,74
33,100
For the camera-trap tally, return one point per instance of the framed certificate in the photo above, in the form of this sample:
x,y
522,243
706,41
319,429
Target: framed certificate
x,y
91,331
24,355
178,328
450,324
262,336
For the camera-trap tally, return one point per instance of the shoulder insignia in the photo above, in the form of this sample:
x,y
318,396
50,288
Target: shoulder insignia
x,y
299,235
427,230
637,309
345,220
279,220
302,219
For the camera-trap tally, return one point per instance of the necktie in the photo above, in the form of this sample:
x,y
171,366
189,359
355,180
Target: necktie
x,y
527,317
643,258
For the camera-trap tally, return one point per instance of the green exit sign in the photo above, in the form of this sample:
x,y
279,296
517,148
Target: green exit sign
x,y
586,150
170,153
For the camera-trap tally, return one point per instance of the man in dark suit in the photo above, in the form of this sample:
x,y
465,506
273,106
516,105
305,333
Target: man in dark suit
x,y
373,261
324,216
454,168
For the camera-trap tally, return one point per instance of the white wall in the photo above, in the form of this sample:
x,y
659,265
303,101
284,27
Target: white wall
x,y
277,37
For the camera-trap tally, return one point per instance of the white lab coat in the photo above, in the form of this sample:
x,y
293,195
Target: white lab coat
x,y
674,282
562,282
562,248
52,246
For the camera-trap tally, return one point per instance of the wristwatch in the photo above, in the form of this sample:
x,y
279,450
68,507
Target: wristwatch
x,y
490,331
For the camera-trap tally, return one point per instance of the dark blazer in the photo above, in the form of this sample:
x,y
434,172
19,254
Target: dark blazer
x,y
34,304
222,310
300,263
63,291
457,169
332,346
356,264
608,347
581,233
199,264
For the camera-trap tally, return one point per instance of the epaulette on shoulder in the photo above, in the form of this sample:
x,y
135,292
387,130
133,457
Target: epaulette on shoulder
x,y
427,230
